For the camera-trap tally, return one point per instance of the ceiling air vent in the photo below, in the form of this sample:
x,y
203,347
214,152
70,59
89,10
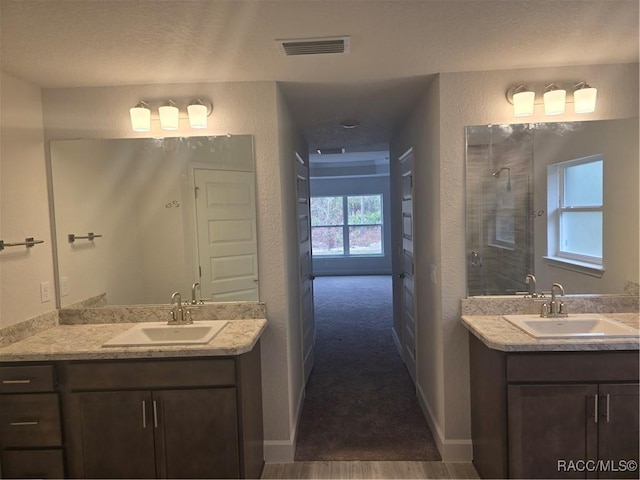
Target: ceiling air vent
x,y
314,46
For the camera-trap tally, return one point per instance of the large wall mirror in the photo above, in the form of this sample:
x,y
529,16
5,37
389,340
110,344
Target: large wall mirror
x,y
153,216
556,200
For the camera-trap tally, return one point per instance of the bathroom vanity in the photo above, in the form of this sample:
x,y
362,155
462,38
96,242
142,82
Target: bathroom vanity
x,y
553,408
72,408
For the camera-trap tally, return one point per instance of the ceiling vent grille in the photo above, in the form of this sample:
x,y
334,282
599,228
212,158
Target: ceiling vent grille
x,y
314,46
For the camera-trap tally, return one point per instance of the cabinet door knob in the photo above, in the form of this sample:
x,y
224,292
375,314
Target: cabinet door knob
x,y
24,424
595,408
144,414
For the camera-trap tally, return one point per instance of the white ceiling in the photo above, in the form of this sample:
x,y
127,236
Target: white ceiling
x,y
396,46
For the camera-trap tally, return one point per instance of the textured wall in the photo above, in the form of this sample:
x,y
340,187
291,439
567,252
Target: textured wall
x,y
24,208
238,108
472,99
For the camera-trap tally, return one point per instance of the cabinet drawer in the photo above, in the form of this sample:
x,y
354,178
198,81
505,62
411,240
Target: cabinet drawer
x,y
27,379
30,420
32,464
144,374
604,366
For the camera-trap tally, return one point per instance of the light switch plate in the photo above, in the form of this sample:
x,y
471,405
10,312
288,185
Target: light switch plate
x,y
64,286
45,292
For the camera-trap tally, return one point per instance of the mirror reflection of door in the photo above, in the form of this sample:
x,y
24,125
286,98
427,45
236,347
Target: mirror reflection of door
x,y
226,235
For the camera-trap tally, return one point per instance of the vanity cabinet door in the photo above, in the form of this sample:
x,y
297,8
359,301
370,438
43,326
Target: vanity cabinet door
x,y
619,428
117,434
548,425
197,433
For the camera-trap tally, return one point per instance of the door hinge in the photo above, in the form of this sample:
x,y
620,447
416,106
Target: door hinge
x,y
195,191
199,271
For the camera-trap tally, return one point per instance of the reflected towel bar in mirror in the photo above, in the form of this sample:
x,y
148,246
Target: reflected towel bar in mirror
x,y
28,242
90,236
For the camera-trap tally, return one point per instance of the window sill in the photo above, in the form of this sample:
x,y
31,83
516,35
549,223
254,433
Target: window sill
x,y
586,268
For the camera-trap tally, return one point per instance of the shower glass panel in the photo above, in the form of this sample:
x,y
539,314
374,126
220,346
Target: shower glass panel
x,y
499,207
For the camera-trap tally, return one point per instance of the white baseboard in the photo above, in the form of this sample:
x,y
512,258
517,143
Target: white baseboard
x,y
460,450
283,451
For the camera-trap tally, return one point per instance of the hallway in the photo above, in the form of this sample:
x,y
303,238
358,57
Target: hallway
x,y
360,403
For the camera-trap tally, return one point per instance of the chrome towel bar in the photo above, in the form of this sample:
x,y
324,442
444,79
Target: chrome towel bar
x,y
90,236
28,242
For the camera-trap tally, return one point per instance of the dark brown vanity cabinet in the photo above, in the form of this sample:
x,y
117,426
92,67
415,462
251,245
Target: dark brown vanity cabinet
x,y
191,433
554,414
31,442
172,418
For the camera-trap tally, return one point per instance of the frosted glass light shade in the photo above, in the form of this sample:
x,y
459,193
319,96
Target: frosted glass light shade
x,y
584,100
523,103
140,118
554,101
197,115
169,115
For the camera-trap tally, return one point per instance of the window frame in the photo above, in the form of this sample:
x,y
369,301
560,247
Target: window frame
x,y
346,241
556,206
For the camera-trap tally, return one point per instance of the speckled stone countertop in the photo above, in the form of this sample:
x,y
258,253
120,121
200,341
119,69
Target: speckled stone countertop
x,y
84,342
497,333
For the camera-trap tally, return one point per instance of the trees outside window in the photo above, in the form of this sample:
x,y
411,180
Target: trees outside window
x,y
347,225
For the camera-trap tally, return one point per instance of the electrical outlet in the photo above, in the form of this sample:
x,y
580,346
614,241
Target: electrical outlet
x,y
64,286
45,292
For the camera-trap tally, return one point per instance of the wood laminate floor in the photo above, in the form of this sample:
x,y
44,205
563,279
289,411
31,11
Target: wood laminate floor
x,y
369,470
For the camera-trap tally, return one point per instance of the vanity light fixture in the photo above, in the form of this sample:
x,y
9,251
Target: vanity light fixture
x,y
170,112
169,116
554,96
197,111
523,101
554,99
584,98
140,117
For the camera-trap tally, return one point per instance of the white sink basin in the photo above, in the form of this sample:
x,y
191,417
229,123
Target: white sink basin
x,y
159,333
580,325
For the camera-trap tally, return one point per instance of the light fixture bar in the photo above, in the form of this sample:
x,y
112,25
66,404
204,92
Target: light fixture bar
x,y
554,96
169,113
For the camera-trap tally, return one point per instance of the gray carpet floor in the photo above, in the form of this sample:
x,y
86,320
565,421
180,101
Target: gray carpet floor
x,y
360,403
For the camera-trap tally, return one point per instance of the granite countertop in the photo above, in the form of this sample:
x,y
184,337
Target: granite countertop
x,y
84,342
498,334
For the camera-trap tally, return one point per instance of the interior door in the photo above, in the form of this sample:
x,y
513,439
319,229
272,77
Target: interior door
x,y
306,264
226,224
408,306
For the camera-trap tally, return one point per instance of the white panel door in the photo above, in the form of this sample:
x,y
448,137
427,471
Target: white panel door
x,y
227,244
408,308
306,264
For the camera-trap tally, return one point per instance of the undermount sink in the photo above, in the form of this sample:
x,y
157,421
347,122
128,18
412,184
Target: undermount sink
x,y
580,325
160,333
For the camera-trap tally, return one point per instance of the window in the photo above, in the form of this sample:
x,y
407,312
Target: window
x,y
575,204
346,225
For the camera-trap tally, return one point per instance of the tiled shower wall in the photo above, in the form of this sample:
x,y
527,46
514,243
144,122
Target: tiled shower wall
x,y
502,267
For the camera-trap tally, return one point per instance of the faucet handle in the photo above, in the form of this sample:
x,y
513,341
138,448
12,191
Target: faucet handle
x,y
544,310
562,310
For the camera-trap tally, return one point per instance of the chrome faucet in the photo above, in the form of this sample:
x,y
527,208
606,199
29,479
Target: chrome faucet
x,y
554,309
193,293
178,315
531,281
